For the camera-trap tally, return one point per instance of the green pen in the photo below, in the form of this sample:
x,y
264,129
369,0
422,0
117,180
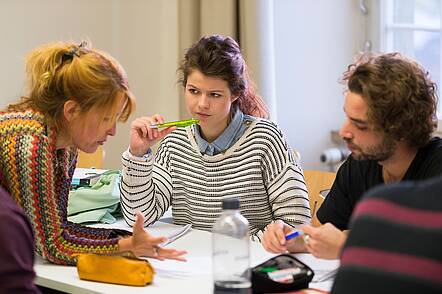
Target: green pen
x,y
268,269
179,123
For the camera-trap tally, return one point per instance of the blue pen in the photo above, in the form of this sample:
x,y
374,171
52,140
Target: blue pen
x,y
293,235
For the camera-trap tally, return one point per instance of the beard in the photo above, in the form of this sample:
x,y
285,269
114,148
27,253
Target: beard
x,y
380,152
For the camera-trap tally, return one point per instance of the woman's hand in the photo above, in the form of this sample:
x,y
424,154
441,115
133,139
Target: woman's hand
x,y
143,244
325,241
274,239
142,137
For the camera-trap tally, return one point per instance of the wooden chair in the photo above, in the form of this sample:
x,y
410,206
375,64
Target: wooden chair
x,y
318,183
88,160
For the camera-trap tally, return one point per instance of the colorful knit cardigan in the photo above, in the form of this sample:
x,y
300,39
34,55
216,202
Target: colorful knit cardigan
x,y
38,177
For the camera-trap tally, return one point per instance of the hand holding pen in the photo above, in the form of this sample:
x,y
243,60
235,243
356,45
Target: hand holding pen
x,y
295,234
142,137
275,240
147,131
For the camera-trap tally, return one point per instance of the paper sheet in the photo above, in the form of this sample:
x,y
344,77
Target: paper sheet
x,y
194,267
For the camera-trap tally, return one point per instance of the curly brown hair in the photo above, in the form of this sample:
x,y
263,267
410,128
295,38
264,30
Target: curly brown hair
x,y
220,56
401,97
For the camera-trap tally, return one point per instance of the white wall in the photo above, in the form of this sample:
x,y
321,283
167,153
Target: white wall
x,y
148,41
26,24
141,34
314,43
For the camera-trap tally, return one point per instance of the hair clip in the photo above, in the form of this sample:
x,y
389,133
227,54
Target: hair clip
x,y
70,55
83,44
75,51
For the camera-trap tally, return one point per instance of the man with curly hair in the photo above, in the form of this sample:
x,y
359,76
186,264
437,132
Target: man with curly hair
x,y
391,108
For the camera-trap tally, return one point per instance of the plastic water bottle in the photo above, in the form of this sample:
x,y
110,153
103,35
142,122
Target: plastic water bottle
x,y
231,250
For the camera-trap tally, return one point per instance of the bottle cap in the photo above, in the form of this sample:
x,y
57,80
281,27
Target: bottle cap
x,y
231,203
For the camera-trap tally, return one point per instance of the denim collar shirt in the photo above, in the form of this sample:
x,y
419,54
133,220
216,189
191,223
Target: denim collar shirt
x,y
236,128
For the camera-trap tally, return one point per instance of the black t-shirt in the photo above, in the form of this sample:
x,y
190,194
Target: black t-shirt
x,y
355,177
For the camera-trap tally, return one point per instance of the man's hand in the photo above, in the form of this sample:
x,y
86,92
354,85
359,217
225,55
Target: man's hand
x,y
325,241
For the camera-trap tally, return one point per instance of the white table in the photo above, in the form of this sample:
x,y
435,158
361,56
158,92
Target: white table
x,y
195,276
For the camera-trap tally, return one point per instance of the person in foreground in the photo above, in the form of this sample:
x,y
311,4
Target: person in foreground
x,y
391,114
233,151
16,248
75,96
394,245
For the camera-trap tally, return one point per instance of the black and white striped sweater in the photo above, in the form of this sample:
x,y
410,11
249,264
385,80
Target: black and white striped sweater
x,y
259,169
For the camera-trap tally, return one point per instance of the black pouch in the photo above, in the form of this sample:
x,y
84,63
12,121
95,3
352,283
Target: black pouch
x,y
281,273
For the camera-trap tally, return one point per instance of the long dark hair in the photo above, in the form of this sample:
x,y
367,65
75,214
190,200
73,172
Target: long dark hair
x,y
219,56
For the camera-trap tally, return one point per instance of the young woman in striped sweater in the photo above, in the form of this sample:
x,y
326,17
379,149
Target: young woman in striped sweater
x,y
76,95
233,151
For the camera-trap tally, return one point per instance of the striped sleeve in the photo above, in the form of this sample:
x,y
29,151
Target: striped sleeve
x,y
145,187
284,179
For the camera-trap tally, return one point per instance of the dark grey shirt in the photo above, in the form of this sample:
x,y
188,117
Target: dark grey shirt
x,y
16,248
